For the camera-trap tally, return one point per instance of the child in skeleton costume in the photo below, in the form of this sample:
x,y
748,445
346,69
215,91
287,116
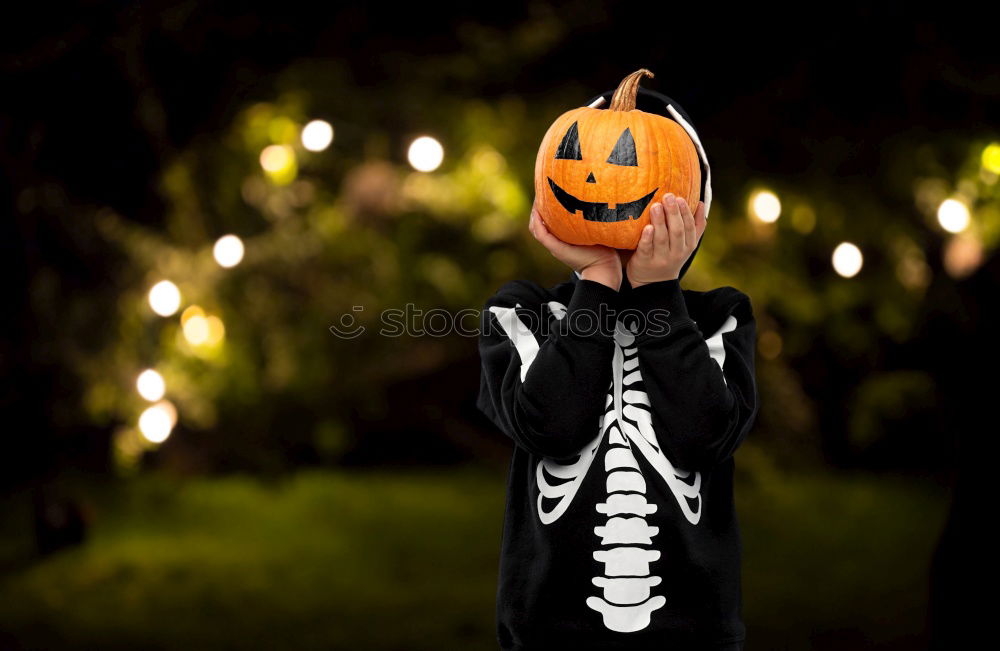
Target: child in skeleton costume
x,y
620,530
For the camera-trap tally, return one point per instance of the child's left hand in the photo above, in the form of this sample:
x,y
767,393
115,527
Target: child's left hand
x,y
666,243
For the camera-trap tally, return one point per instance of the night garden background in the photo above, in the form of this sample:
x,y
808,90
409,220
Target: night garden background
x,y
194,192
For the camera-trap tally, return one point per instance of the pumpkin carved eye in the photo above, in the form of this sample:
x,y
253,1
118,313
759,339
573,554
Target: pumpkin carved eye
x,y
570,145
624,151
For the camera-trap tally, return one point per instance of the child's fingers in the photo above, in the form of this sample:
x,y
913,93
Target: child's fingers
x,y
532,223
537,227
699,219
675,225
645,247
656,218
545,233
548,240
542,233
690,232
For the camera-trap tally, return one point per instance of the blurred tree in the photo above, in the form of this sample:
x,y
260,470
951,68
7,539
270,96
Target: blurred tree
x,y
269,385
354,226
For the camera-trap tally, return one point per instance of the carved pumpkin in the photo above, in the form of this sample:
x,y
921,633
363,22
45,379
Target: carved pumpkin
x,y
599,170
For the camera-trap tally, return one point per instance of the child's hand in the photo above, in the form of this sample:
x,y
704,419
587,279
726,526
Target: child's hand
x,y
666,243
594,262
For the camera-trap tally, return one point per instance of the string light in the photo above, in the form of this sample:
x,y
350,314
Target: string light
x,y
765,206
228,251
216,330
157,421
196,330
192,310
165,298
991,158
200,328
276,158
953,215
425,154
150,385
847,259
962,255
317,135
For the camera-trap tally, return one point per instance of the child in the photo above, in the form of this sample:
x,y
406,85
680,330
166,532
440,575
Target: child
x,y
620,530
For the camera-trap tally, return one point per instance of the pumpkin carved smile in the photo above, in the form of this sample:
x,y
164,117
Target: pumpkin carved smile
x,y
601,212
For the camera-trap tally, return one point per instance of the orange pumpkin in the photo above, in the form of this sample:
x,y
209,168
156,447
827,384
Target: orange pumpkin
x,y
598,171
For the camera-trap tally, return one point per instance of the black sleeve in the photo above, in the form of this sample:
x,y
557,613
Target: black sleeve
x,y
702,392
545,387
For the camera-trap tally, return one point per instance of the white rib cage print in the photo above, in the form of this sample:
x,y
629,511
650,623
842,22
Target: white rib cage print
x,y
625,546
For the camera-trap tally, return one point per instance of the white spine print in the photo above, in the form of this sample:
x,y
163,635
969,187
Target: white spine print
x,y
626,603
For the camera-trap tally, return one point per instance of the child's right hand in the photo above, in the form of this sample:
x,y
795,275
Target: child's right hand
x,y
594,262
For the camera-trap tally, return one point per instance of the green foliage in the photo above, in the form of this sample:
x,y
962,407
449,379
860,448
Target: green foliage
x,y
354,226
334,231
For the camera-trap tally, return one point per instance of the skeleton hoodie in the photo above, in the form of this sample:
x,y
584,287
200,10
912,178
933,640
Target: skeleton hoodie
x,y
625,408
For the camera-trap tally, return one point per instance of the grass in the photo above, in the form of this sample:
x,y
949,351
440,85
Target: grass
x,y
407,559
838,561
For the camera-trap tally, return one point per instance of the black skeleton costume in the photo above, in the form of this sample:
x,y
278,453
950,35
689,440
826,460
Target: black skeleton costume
x,y
620,530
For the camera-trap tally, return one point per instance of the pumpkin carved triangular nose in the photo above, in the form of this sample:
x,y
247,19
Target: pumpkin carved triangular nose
x,y
591,179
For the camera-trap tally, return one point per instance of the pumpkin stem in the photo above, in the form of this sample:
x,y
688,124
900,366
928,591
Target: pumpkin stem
x,y
624,97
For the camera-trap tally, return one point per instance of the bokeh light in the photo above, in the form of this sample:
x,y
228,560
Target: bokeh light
x,y
765,206
913,272
277,158
769,344
962,255
425,154
165,298
991,158
317,135
196,330
156,422
847,259
150,385
200,328
216,330
804,218
489,161
953,215
228,251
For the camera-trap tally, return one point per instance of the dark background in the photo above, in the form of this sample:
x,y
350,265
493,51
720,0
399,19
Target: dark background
x,y
316,487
